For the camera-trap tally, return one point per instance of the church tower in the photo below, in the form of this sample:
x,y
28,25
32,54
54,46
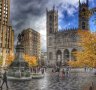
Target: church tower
x,y
52,21
51,29
83,16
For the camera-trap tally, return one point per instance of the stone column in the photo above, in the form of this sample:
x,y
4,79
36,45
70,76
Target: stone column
x,y
70,54
62,56
54,57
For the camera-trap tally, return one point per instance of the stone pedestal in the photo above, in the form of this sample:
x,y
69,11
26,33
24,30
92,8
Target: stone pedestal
x,y
19,68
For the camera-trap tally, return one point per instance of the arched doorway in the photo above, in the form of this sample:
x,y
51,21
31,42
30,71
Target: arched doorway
x,y
73,52
58,58
66,55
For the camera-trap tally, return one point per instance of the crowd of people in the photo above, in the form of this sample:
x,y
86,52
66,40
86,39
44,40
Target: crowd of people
x,y
38,70
61,72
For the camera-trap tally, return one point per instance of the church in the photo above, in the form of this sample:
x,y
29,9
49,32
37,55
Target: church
x,y
62,43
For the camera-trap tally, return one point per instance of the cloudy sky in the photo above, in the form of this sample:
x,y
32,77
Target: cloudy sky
x,y
32,13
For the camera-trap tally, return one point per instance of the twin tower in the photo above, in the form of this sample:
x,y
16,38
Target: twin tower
x,y
83,16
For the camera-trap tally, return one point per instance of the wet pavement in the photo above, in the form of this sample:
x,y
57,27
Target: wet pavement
x,y
75,81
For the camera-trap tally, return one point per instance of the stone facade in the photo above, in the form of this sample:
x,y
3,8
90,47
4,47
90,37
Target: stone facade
x,y
61,44
30,39
43,61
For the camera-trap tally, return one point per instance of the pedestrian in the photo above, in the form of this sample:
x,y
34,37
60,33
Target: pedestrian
x,y
4,80
42,70
85,69
67,71
58,69
52,70
63,73
90,88
57,76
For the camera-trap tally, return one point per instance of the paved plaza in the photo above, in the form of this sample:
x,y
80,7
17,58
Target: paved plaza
x,y
76,80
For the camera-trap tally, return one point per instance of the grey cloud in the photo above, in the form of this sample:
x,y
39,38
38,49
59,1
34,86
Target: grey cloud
x,y
27,13
24,11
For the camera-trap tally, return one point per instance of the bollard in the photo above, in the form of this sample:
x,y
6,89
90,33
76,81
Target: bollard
x,y
90,88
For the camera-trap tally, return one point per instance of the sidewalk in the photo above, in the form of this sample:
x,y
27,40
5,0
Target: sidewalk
x,y
87,87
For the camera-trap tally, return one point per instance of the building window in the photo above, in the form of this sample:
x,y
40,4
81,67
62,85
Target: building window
x,y
55,18
83,25
83,10
50,56
50,41
50,31
50,18
50,24
0,44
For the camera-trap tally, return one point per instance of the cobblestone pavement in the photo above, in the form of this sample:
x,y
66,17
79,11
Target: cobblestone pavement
x,y
75,81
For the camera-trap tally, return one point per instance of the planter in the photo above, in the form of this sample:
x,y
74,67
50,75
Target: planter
x,y
37,76
19,79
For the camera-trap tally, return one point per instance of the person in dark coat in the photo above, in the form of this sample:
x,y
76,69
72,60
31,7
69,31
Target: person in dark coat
x,y
90,88
4,80
52,70
42,70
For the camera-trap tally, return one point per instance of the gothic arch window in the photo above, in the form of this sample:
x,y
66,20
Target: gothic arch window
x,y
50,56
50,31
83,25
59,52
55,18
50,17
59,55
66,54
50,41
73,52
83,10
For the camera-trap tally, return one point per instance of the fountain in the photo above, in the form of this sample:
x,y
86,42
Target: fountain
x,y
19,69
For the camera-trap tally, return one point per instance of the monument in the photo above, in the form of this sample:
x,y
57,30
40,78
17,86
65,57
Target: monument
x,y
19,69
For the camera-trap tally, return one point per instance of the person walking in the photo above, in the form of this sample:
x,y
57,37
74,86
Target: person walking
x,y
4,80
67,71
42,70
90,88
52,70
63,73
57,73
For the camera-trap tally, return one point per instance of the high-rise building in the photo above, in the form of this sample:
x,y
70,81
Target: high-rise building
x,y
5,11
6,32
30,40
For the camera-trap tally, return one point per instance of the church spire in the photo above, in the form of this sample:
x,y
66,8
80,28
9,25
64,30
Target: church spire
x,y
79,3
53,7
87,2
